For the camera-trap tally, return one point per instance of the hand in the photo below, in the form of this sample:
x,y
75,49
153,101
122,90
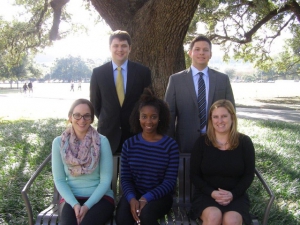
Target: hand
x,y
83,211
135,209
77,212
142,202
221,196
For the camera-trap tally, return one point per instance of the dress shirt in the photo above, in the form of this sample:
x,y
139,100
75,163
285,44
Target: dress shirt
x,y
124,71
195,75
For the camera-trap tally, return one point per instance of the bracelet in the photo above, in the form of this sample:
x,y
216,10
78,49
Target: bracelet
x,y
142,200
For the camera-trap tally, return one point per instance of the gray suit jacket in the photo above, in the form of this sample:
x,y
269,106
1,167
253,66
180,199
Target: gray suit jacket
x,y
182,100
113,120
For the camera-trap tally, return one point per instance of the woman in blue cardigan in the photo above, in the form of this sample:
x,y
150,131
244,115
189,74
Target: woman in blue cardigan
x,y
82,168
149,164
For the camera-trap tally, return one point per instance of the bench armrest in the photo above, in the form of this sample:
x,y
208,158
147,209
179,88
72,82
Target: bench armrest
x,y
271,195
27,186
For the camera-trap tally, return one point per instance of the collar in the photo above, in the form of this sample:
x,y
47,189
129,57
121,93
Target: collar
x,y
123,66
195,71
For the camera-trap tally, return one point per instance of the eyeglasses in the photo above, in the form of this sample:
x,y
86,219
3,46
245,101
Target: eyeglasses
x,y
77,116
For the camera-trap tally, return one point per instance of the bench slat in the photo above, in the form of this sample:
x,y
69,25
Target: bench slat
x,y
178,215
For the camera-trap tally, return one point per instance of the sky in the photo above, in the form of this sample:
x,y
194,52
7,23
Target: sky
x,y
93,45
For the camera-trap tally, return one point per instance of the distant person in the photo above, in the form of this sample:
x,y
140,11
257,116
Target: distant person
x,y
222,169
79,86
25,87
115,87
72,86
82,168
149,165
191,92
30,87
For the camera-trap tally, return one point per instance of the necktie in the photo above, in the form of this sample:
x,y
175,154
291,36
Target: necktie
x,y
120,86
201,100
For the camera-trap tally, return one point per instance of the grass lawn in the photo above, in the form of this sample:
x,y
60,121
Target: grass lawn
x,y
24,144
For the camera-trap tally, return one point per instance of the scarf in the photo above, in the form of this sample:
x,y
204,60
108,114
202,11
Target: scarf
x,y
80,157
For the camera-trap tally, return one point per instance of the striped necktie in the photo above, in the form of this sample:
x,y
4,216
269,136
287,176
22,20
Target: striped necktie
x,y
201,100
120,86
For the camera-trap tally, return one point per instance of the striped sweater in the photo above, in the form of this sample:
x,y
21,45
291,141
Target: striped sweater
x,y
149,168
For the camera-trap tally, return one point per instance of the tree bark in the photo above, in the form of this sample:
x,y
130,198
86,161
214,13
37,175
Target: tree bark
x,y
157,29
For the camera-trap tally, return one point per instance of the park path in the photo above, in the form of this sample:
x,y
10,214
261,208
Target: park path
x,y
34,106
52,100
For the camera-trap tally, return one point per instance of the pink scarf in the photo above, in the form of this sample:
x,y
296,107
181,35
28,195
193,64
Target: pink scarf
x,y
80,157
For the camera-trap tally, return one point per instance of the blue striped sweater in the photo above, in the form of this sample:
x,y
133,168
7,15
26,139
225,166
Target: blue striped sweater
x,y
150,168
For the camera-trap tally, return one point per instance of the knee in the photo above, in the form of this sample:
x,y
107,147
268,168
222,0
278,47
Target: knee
x,y
211,216
232,218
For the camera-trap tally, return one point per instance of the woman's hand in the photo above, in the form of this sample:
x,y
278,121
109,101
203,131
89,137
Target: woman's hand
x,y
80,212
83,211
77,212
221,196
142,202
135,209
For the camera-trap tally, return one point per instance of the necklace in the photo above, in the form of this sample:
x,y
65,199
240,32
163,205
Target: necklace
x,y
222,144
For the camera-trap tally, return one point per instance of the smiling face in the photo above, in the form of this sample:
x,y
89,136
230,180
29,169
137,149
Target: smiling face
x,y
81,126
149,118
221,120
119,51
200,54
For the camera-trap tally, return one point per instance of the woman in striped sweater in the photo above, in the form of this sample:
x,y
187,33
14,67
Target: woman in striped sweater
x,y
149,164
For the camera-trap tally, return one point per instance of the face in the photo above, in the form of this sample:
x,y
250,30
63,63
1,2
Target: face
x,y
149,118
221,120
119,51
200,54
81,125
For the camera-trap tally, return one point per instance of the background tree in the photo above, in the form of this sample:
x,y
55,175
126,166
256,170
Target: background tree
x,y
70,69
158,28
230,72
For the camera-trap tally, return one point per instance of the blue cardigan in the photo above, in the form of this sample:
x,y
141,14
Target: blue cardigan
x,y
94,185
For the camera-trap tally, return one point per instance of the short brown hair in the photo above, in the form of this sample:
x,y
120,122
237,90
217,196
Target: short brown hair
x,y
120,34
200,38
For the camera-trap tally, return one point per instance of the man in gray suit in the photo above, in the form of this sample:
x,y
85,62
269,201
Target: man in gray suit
x,y
112,109
186,89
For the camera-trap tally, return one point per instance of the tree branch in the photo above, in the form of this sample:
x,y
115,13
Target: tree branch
x,y
57,6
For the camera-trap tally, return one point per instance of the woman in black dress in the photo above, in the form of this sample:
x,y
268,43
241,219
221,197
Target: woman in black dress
x,y
222,169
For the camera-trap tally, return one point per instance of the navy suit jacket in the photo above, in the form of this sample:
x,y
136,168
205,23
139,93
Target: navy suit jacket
x,y
113,120
182,100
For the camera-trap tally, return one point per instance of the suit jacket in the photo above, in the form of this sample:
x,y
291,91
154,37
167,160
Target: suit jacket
x,y
182,100
113,120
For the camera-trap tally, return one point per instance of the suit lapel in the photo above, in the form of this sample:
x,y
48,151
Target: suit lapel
x,y
190,85
130,78
110,82
212,76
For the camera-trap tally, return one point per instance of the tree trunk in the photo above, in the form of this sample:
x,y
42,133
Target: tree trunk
x,y
157,29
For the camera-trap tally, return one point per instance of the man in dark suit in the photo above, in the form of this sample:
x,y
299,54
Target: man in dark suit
x,y
113,105
191,89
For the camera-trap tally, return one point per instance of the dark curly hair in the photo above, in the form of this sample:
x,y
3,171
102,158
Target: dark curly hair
x,y
148,98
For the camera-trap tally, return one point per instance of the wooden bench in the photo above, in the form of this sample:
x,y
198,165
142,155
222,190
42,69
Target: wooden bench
x,y
177,215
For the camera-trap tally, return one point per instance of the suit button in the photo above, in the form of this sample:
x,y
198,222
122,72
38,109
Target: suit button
x,y
120,128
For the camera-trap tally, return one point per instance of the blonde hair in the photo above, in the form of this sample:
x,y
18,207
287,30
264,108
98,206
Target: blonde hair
x,y
233,139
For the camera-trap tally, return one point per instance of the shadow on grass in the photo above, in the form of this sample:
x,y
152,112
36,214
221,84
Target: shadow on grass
x,y
277,158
